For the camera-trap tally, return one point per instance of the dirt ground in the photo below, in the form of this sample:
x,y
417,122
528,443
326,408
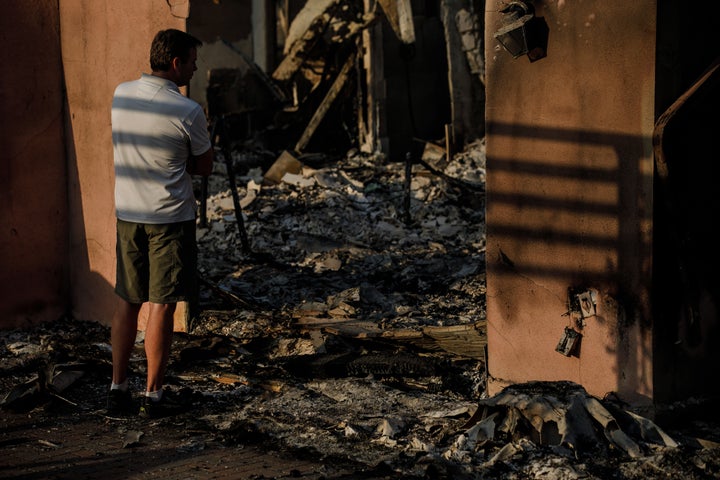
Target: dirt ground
x,y
323,340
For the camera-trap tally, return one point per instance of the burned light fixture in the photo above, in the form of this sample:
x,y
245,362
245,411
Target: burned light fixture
x,y
569,342
522,33
582,304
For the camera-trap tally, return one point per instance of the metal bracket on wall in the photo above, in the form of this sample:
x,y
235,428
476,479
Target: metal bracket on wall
x,y
569,342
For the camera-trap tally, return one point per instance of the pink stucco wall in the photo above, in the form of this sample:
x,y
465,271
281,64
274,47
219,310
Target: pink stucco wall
x,y
569,198
33,193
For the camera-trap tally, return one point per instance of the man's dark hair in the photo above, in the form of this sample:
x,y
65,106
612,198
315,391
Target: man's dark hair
x,y
169,44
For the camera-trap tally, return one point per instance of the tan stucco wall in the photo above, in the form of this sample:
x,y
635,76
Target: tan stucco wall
x,y
33,193
104,42
569,197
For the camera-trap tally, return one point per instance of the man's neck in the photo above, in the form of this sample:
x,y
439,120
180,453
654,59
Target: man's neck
x,y
164,75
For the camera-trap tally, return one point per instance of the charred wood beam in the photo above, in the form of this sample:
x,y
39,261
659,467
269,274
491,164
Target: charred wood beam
x,y
326,103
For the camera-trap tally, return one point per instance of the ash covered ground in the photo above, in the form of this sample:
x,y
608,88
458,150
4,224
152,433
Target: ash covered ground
x,y
350,329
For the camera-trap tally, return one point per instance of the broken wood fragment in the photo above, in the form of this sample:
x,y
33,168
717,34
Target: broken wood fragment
x,y
308,24
285,163
354,330
399,14
464,340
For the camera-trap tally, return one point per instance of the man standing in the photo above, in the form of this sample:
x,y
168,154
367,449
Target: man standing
x,y
160,137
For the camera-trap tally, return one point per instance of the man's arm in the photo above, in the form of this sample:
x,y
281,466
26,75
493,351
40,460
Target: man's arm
x,y
201,164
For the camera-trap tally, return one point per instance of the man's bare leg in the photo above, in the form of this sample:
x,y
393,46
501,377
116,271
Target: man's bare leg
x,y
123,332
158,339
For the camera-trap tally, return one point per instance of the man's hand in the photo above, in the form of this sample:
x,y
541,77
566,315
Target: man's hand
x,y
201,164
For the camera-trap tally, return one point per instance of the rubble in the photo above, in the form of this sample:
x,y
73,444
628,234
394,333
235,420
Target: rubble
x,y
351,334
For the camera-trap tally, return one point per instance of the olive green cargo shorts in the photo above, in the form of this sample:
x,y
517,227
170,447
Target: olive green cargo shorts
x,y
156,263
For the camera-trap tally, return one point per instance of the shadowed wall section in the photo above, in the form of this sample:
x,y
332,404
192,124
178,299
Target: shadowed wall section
x,y
33,191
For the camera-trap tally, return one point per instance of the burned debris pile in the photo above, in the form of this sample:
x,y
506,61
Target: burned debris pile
x,y
377,415
354,335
